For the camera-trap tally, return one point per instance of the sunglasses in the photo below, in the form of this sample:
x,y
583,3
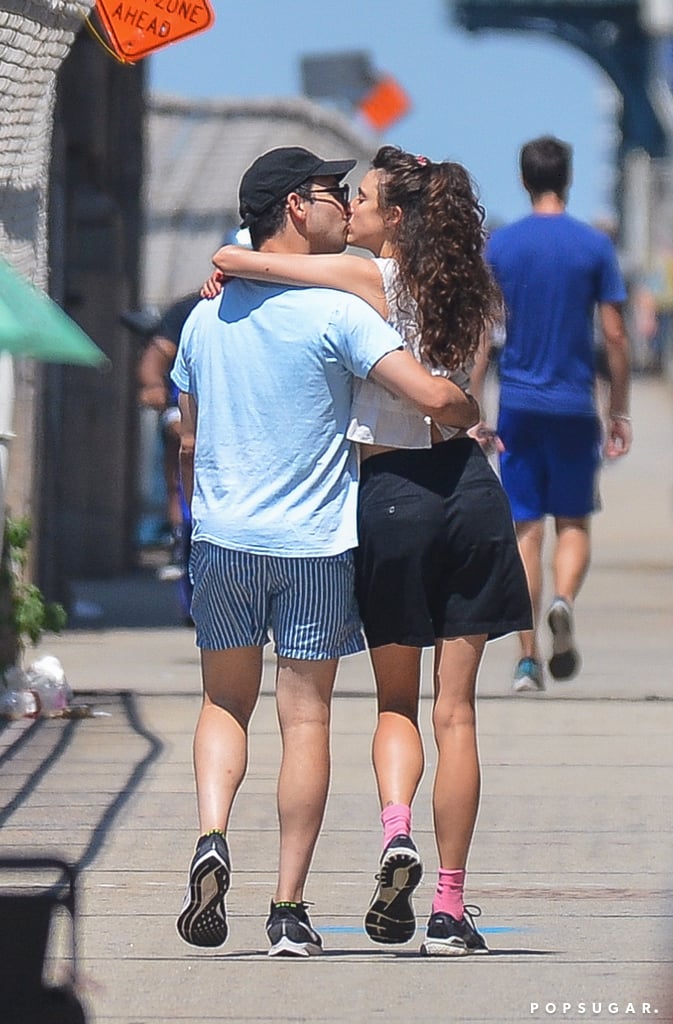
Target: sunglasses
x,y
340,192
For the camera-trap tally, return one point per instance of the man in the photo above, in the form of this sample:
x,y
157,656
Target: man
x,y
555,273
265,374
157,392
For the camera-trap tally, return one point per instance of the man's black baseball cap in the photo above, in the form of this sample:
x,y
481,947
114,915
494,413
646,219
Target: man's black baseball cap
x,y
276,173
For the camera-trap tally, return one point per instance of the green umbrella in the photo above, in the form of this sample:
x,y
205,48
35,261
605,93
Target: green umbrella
x,y
34,327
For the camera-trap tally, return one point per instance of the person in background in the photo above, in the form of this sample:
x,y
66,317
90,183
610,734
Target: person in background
x,y
556,273
157,391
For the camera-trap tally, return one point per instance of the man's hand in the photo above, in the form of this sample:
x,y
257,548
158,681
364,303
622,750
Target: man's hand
x,y
619,436
153,368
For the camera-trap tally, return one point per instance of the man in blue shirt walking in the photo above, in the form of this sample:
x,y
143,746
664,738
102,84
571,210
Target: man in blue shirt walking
x,y
555,273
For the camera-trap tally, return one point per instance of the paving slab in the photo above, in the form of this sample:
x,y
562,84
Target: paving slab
x,y
572,861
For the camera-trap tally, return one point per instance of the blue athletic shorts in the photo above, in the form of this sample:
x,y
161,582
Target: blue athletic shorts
x,y
307,603
550,464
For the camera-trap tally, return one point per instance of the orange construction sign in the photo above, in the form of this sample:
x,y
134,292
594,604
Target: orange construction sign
x,y
385,103
137,27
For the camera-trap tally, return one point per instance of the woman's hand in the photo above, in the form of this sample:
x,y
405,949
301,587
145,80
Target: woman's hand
x,y
211,288
487,438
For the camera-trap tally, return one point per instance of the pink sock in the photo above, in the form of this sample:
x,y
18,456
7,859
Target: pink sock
x,y
449,894
396,820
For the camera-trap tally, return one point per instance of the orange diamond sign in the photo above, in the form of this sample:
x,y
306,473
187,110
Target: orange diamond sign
x,y
385,103
137,27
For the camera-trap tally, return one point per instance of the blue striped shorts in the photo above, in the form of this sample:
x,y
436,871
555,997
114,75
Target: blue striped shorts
x,y
307,603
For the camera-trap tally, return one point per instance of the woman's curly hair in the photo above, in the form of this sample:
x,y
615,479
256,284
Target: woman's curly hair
x,y
439,248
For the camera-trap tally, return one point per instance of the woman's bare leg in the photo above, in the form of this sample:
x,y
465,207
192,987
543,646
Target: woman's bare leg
x,y
397,748
457,778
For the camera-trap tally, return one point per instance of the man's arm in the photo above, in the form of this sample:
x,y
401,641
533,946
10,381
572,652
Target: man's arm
x,y
435,396
187,407
480,368
153,368
619,430
483,433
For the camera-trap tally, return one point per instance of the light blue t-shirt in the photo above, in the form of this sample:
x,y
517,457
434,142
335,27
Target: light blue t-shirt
x,y
553,270
271,370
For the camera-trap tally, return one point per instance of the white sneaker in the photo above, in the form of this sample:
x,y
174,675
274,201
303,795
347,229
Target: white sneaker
x,y
565,660
170,573
528,677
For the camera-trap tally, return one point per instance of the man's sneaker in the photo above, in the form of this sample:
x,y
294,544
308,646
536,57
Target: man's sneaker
x,y
203,918
528,677
390,917
445,936
565,660
170,573
175,569
290,932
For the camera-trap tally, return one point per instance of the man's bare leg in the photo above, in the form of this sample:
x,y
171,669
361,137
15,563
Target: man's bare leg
x,y
231,681
572,556
303,695
303,700
530,535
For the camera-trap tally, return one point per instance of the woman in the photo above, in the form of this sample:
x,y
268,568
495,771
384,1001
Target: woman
x,y
438,563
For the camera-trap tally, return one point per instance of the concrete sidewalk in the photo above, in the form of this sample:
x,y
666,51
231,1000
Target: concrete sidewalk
x,y
572,861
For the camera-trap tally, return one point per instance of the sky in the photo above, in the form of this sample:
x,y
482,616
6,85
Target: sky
x,y
476,97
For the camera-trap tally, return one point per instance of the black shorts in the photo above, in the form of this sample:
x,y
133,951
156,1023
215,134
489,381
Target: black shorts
x,y
438,556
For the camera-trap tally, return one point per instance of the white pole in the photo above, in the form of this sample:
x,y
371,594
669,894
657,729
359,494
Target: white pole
x,y
656,17
6,424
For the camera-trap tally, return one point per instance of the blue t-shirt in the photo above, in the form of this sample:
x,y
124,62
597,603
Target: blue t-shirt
x,y
271,370
552,270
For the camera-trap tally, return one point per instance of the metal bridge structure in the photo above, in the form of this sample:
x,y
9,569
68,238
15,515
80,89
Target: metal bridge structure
x,y
623,37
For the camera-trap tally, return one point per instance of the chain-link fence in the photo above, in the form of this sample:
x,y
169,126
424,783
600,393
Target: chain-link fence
x,y
35,37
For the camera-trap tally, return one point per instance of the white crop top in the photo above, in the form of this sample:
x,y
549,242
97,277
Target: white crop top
x,y
377,415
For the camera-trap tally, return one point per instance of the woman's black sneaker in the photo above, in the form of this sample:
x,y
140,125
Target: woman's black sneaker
x,y
290,932
203,918
390,918
445,936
